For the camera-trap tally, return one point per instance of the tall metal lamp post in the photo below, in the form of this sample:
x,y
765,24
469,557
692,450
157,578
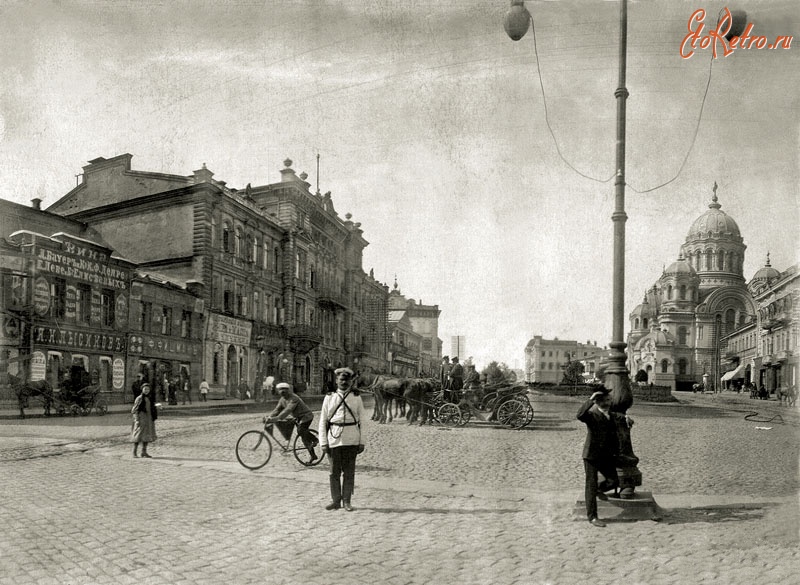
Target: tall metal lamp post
x,y
617,379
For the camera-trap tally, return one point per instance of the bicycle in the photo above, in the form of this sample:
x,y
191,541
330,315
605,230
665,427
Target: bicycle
x,y
254,448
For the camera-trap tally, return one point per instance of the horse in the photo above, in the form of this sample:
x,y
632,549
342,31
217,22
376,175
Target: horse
x,y
418,396
385,390
24,390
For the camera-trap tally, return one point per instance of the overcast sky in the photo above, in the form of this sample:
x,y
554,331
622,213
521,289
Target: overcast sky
x,y
431,128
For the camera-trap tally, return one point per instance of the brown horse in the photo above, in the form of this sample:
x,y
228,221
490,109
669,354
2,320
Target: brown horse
x,y
385,389
24,390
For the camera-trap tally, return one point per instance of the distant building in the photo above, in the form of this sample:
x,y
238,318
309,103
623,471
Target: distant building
x,y
458,347
424,321
545,359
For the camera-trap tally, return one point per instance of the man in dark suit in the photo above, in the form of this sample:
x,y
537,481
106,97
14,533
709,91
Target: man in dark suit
x,y
601,449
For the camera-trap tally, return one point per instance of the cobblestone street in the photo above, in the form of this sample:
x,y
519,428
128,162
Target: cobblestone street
x,y
474,505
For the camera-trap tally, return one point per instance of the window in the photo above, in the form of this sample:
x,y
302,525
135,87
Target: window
x,y
107,307
186,324
227,297
240,304
256,299
276,264
166,321
58,294
681,335
664,366
644,323
226,237
216,367
683,292
682,366
147,316
250,251
544,354
238,245
265,255
83,303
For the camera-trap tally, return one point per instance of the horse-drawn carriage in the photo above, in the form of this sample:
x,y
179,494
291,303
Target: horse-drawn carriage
x,y
501,403
82,401
79,394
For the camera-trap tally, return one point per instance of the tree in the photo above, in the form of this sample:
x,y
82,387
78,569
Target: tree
x,y
573,373
498,373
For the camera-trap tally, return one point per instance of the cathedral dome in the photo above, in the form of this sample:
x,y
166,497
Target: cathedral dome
x,y
766,272
656,338
681,267
714,223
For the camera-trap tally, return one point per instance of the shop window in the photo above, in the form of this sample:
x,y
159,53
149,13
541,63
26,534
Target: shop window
x,y
186,324
166,321
54,365
107,307
83,303
147,316
58,294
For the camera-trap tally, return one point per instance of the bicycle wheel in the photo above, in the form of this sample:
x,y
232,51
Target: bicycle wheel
x,y
253,449
302,454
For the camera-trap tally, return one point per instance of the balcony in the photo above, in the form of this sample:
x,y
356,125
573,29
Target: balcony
x,y
783,355
303,338
330,298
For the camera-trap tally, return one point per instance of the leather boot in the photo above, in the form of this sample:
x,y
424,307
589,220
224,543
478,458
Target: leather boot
x,y
336,494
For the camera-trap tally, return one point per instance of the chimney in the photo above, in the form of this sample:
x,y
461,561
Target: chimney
x,y
36,203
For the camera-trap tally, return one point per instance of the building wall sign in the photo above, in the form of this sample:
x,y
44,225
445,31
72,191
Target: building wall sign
x,y
229,330
149,345
118,373
41,296
76,339
81,264
38,366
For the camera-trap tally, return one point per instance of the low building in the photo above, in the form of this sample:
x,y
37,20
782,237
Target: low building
x,y
545,359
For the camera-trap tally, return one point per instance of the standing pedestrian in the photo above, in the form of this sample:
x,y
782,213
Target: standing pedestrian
x,y
204,391
266,387
144,421
187,391
456,381
600,450
341,437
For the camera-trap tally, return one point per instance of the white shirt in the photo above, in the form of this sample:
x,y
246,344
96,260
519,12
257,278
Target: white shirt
x,y
341,431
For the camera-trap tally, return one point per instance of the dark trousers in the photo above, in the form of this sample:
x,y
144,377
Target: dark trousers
x,y
609,471
343,472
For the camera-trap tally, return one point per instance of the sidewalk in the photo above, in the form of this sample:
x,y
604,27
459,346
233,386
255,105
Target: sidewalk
x,y
10,411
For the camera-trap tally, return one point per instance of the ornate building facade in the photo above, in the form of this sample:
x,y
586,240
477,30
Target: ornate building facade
x,y
680,333
278,273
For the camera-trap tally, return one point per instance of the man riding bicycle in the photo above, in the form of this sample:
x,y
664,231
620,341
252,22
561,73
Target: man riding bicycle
x,y
292,410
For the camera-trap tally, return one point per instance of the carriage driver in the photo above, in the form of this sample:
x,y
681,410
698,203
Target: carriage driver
x,y
290,404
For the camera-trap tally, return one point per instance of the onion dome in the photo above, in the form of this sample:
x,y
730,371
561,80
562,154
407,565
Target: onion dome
x,y
767,272
680,267
714,223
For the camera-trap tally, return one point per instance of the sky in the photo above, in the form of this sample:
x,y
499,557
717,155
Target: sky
x,y
432,130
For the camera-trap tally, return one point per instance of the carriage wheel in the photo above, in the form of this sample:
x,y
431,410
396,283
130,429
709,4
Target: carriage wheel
x,y
512,414
60,410
466,414
528,414
75,410
449,414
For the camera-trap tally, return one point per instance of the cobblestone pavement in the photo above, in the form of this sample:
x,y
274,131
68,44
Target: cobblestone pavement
x,y
475,505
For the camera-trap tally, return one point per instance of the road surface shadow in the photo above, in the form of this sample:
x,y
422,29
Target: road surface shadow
x,y
714,514
439,510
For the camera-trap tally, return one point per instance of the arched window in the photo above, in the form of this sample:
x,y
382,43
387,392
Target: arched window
x,y
265,255
644,323
636,323
226,237
276,264
238,249
720,260
683,292
664,366
708,260
681,335
249,250
669,292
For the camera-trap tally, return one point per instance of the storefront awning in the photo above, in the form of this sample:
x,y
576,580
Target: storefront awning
x,y
733,374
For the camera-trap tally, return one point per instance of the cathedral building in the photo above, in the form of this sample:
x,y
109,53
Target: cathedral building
x,y
676,332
